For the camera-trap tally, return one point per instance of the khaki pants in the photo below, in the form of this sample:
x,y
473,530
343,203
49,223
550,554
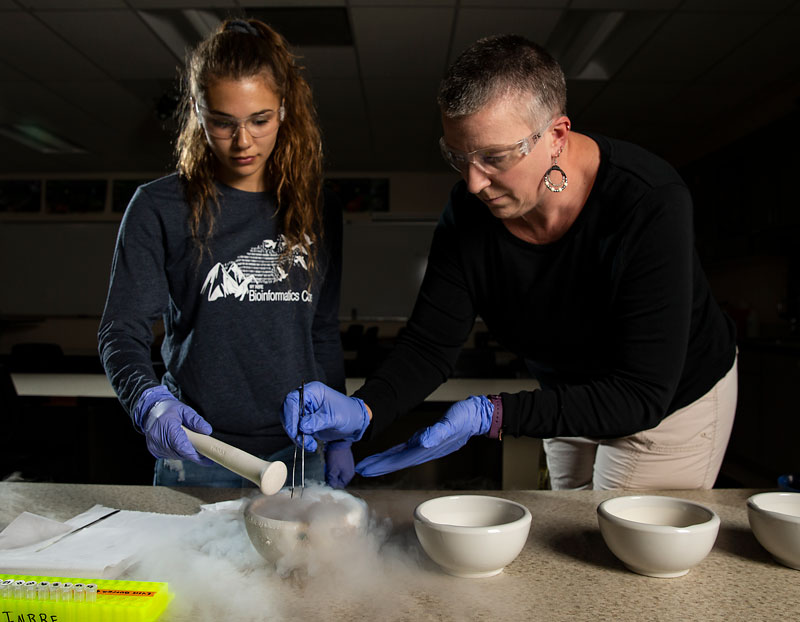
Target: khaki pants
x,y
684,451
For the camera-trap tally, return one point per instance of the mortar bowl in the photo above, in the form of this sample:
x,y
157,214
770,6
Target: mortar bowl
x,y
472,536
284,529
658,536
775,520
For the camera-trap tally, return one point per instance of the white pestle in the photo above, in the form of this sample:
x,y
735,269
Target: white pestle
x,y
268,476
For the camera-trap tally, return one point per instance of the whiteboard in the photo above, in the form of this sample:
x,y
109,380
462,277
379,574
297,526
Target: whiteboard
x,y
62,268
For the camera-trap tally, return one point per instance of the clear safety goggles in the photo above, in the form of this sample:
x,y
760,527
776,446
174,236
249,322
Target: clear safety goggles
x,y
224,126
491,160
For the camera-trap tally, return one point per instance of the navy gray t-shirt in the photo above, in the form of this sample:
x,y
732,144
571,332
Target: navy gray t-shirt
x,y
243,326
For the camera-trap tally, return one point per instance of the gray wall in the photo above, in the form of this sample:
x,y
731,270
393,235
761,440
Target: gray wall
x,y
62,268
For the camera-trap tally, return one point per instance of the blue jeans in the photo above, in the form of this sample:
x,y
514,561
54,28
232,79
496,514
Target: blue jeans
x,y
169,472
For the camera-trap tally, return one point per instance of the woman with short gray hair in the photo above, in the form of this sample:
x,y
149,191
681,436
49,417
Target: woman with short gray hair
x,y
577,252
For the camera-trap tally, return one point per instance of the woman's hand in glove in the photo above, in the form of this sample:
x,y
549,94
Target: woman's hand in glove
x,y
160,416
339,469
462,421
327,416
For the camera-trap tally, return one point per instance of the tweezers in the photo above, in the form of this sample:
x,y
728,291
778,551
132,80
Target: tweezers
x,y
300,412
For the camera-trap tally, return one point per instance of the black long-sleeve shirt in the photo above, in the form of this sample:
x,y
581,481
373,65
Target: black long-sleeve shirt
x,y
242,328
615,319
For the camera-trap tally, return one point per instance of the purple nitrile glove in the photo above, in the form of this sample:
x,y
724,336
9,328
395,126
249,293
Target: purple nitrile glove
x,y
339,466
462,421
160,416
329,416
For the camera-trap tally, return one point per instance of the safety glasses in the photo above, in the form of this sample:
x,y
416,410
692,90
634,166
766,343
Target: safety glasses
x,y
224,126
491,160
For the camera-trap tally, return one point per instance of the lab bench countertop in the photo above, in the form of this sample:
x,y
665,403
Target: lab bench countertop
x,y
565,571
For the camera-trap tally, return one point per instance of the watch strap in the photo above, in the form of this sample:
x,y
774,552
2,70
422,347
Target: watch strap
x,y
496,429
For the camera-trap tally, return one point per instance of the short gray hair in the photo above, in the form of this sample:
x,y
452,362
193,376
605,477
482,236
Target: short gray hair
x,y
504,66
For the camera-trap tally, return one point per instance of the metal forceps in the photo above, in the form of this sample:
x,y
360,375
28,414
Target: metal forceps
x,y
301,410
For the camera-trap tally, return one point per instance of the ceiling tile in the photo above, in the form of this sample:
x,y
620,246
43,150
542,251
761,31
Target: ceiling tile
x,y
404,120
528,4
625,5
104,100
9,74
735,5
595,44
340,101
394,100
402,42
688,44
180,4
73,5
402,3
30,47
699,72
327,62
769,55
473,24
263,4
40,105
308,26
118,41
135,141
9,115
149,90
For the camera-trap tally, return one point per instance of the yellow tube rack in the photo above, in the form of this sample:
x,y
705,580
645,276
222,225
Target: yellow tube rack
x,y
26,598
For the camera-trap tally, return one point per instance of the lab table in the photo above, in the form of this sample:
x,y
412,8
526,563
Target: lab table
x,y
565,571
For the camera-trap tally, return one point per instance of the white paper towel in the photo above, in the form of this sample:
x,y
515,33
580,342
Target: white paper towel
x,y
29,529
34,545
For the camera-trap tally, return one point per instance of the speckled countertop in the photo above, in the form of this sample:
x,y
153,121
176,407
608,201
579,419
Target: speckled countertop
x,y
565,571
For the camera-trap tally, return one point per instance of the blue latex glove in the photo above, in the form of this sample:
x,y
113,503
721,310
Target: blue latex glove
x,y
462,421
160,416
329,416
339,465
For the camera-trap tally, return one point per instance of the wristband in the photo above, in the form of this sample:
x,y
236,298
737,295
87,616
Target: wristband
x,y
496,429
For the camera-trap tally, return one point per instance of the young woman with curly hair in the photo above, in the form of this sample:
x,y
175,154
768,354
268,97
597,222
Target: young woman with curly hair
x,y
239,253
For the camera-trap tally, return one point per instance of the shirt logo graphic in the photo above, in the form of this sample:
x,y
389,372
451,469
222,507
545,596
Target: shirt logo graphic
x,y
259,266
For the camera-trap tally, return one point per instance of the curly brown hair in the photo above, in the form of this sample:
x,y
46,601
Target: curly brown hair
x,y
243,49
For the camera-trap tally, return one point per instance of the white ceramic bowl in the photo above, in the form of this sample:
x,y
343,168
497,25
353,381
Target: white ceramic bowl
x,y
472,535
775,520
657,536
278,524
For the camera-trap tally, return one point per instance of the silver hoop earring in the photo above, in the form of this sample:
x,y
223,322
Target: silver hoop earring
x,y
281,113
548,182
